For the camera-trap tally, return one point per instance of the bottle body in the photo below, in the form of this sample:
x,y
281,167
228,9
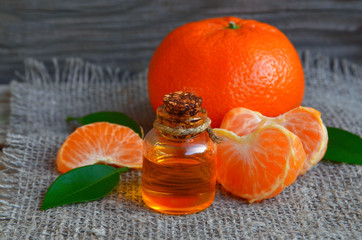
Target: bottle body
x,y
178,176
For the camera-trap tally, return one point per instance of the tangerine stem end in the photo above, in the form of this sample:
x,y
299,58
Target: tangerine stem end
x,y
232,25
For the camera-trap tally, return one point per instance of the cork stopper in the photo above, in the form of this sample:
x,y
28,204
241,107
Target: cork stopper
x,y
182,103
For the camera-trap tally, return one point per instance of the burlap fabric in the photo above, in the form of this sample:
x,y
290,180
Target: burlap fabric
x,y
324,203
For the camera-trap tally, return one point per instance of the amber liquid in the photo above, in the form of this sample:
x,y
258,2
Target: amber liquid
x,y
178,185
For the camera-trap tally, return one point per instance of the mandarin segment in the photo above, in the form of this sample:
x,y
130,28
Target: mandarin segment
x,y
307,124
241,121
100,142
304,122
260,165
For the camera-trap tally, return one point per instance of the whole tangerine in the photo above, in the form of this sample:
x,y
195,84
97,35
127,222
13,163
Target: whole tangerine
x,y
229,62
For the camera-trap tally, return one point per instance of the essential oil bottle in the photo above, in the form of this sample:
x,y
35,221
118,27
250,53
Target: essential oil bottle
x,y
178,174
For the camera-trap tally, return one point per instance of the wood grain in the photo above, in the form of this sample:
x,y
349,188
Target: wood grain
x,y
126,33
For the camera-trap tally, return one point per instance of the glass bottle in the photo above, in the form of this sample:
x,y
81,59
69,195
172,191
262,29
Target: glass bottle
x,y
178,174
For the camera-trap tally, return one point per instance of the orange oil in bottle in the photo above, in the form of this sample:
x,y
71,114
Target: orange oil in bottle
x,y
178,185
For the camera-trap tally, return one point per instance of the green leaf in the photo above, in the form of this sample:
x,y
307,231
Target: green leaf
x,y
343,146
82,184
111,117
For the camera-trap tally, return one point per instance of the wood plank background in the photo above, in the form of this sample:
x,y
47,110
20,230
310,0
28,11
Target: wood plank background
x,y
126,33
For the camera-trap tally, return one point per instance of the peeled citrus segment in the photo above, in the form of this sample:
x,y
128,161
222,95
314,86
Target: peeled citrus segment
x,y
307,124
304,122
241,121
100,142
259,165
